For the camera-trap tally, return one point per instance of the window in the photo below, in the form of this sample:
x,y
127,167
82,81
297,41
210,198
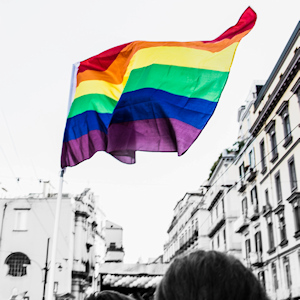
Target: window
x,y
244,207
112,246
296,208
242,171
274,276
263,157
270,129
292,172
21,216
251,159
270,234
258,242
287,272
247,248
254,199
284,113
17,263
282,227
267,198
261,278
224,237
274,144
278,187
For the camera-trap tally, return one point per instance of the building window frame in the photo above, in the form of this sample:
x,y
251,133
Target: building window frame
x,y
270,234
258,242
251,159
278,187
247,248
21,219
17,263
245,207
292,174
287,272
282,227
274,276
271,131
283,111
294,200
242,171
263,156
254,197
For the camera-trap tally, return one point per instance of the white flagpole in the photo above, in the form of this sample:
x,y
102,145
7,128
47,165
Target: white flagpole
x,y
50,287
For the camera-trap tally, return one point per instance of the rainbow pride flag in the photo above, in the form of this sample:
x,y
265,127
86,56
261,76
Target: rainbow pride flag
x,y
148,96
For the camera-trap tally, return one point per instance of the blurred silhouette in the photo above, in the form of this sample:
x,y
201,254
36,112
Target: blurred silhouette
x,y
209,275
108,295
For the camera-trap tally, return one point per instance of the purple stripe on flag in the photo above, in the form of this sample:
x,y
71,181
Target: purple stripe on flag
x,y
155,135
78,150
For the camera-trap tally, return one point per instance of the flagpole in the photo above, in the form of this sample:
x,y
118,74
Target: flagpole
x,y
50,288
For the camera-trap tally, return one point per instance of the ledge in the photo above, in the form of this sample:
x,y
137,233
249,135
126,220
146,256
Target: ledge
x,y
274,158
283,243
264,170
288,141
272,250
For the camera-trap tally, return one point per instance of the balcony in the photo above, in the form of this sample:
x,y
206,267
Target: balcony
x,y
241,186
253,212
256,259
251,174
217,224
266,209
241,224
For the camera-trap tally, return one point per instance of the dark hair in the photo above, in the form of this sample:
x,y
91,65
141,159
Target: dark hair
x,y
209,275
108,295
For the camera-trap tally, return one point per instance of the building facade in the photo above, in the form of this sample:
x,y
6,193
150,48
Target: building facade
x,y
185,232
269,178
25,245
252,196
221,203
114,242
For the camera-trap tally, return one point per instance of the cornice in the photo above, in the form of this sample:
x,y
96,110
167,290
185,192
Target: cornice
x,y
284,82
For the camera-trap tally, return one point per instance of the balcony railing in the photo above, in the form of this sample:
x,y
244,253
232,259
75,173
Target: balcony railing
x,y
241,186
241,224
266,209
256,259
251,174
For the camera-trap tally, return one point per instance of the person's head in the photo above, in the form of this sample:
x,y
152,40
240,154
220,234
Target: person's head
x,y
209,275
108,295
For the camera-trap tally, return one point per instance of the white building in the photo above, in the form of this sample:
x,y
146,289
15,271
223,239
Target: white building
x,y
114,242
269,170
188,229
27,226
221,202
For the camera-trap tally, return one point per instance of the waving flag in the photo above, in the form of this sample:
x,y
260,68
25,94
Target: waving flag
x,y
148,96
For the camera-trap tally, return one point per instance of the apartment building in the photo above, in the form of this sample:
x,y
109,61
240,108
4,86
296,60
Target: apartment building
x,y
187,231
114,242
25,245
268,177
221,203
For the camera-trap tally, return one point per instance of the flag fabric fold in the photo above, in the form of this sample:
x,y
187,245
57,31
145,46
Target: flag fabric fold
x,y
148,96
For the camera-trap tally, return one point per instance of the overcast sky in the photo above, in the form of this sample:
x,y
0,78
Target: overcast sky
x,y
39,43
